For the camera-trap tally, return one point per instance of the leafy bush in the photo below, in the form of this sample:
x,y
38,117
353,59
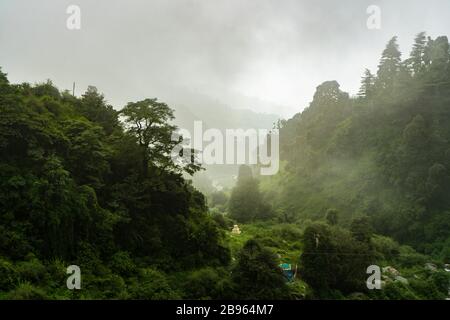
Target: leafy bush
x,y
109,287
398,291
257,275
57,270
223,220
151,284
122,264
408,257
387,247
8,275
288,232
33,270
426,289
26,291
207,283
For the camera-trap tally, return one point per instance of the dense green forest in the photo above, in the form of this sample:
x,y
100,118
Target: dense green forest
x,y
79,186
364,181
384,154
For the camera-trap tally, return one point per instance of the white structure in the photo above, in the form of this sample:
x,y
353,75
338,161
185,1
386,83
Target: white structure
x,y
391,271
430,266
236,229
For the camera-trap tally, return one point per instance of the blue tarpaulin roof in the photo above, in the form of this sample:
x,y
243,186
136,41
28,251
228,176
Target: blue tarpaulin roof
x,y
285,266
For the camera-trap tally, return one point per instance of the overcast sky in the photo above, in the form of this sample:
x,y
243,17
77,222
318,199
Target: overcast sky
x,y
266,55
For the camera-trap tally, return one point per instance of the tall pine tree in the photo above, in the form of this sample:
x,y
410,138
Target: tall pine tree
x,y
367,84
389,65
416,62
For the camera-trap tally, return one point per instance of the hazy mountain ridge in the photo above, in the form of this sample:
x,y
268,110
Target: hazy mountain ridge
x,y
383,154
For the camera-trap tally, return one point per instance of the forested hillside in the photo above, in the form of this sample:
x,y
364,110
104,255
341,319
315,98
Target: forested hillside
x,y
78,186
364,181
384,154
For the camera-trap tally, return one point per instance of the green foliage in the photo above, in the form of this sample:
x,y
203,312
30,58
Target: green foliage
x,y
398,291
77,186
386,247
32,271
246,202
383,155
389,66
151,285
361,229
93,106
223,221
408,257
26,291
445,252
9,275
218,198
208,283
122,264
82,183
257,275
367,85
332,217
148,120
333,259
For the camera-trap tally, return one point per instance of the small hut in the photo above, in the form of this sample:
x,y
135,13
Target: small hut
x,y
288,271
236,229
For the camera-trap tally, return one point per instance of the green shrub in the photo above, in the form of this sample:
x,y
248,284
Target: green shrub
x,y
288,232
441,280
408,257
425,289
122,264
32,270
222,220
151,285
26,291
385,246
89,261
8,275
57,272
398,291
207,283
108,287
